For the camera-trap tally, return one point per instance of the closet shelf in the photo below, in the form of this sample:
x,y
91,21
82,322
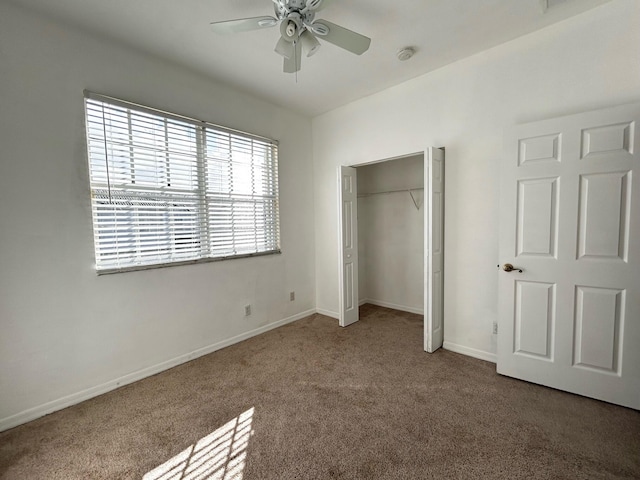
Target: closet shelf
x,y
405,190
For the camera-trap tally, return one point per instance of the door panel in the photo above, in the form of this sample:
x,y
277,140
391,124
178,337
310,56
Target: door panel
x,y
570,220
537,215
539,149
434,252
604,224
609,141
348,251
598,317
534,318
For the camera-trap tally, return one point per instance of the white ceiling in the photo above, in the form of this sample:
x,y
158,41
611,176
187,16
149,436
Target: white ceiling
x,y
441,31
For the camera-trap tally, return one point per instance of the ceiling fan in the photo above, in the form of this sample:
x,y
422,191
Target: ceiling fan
x,y
298,28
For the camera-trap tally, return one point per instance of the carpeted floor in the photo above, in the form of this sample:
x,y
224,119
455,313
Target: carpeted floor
x,y
314,401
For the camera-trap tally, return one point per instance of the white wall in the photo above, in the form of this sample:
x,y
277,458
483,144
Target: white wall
x,y
584,63
65,331
391,234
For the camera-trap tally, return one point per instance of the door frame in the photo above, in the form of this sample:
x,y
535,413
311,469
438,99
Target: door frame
x,y
427,240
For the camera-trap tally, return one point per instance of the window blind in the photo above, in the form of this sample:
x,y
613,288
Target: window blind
x,y
168,189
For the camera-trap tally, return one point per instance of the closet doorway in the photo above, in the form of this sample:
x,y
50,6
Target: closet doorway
x,y
391,217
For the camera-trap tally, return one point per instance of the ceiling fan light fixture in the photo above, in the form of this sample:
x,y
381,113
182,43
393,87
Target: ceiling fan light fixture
x,y
289,30
310,43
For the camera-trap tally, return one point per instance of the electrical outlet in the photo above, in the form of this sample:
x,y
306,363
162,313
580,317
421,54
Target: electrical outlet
x,y
495,328
247,310
292,296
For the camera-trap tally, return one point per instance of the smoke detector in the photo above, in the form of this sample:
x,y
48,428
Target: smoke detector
x,y
405,54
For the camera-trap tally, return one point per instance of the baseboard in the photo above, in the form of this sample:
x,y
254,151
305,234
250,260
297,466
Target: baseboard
x,y
470,352
328,313
402,308
73,399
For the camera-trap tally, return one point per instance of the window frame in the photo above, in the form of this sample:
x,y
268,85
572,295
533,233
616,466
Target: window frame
x,y
201,193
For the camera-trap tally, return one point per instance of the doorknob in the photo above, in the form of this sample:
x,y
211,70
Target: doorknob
x,y
507,267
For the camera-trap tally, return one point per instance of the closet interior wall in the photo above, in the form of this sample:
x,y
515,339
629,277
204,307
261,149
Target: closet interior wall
x,y
391,233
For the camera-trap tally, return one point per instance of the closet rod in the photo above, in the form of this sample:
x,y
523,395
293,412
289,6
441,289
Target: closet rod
x,y
390,191
416,201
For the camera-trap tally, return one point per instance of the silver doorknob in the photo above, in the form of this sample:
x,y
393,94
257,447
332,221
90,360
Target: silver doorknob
x,y
507,267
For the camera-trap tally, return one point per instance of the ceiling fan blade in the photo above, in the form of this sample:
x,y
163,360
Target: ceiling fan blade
x,y
243,24
292,65
341,37
316,5
284,48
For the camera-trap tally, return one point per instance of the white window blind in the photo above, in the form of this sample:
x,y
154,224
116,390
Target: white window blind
x,y
167,189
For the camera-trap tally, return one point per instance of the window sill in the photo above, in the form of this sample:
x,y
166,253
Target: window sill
x,y
135,268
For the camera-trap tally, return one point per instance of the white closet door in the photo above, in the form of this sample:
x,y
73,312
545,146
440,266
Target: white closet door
x,y
348,251
434,202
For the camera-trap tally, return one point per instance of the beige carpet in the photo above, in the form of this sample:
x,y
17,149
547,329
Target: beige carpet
x,y
312,400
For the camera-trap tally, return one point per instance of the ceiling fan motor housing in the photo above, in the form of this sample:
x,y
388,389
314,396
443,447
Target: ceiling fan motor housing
x,y
296,4
300,11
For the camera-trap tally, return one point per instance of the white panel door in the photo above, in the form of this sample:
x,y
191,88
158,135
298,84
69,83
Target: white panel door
x,y
434,202
570,220
348,251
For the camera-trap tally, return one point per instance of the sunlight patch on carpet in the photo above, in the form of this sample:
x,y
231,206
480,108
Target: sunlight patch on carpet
x,y
220,455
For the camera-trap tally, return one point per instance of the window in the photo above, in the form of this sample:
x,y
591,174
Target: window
x,y
167,189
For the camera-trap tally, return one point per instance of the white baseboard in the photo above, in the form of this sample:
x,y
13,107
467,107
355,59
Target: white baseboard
x,y
328,313
471,352
402,308
69,400
379,303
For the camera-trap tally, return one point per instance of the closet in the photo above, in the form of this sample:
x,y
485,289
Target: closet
x,y
390,228
390,219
